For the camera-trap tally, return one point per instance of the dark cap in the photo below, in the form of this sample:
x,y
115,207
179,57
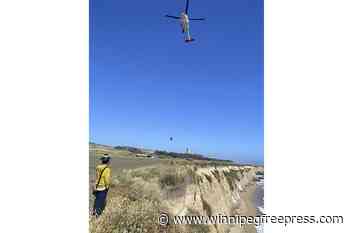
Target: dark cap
x,y
105,158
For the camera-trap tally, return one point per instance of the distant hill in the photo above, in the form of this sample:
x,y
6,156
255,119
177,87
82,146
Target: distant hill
x,y
188,156
160,153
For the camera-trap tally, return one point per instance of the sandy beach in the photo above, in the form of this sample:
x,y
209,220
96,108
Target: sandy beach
x,y
250,209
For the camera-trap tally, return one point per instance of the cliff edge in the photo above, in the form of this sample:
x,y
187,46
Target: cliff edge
x,y
179,188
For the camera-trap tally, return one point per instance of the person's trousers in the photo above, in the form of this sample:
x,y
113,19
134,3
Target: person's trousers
x,y
100,201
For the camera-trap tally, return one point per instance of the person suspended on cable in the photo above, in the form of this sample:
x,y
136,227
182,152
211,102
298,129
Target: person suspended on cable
x,y
185,25
185,21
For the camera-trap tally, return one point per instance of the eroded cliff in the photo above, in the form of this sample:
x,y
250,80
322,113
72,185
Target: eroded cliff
x,y
215,191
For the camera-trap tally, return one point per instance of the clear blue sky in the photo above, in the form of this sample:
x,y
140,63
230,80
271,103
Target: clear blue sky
x,y
147,85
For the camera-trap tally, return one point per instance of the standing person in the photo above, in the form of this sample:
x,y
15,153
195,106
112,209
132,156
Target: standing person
x,y
103,176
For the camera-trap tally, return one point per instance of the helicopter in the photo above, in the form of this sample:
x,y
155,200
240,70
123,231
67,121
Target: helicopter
x,y
185,22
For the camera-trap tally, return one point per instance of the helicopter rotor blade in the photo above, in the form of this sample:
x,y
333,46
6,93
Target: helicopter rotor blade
x,y
170,16
196,18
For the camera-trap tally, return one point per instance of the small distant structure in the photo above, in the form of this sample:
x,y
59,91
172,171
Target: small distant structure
x,y
188,151
145,156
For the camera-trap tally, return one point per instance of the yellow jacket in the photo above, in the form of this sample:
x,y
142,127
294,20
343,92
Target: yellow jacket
x,y
105,178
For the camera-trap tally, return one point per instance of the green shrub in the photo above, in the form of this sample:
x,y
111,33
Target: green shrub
x,y
260,173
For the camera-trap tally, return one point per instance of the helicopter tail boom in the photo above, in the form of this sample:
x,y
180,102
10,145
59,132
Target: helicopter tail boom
x,y
187,6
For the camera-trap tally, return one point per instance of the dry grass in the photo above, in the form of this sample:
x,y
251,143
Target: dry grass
x,y
133,206
199,228
139,184
126,215
134,200
171,177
